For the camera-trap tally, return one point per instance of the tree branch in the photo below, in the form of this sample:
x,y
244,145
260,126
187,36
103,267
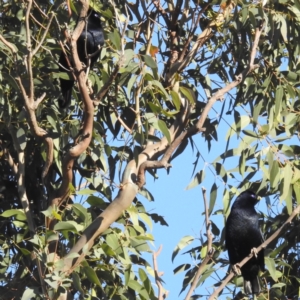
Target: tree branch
x,y
44,35
87,128
121,202
162,293
198,127
209,252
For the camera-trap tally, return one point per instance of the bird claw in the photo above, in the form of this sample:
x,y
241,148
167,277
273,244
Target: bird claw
x,y
254,252
236,269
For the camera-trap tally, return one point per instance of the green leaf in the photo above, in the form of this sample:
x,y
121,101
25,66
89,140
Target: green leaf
x,y
278,102
164,129
199,177
188,94
133,215
96,201
69,226
278,285
112,241
77,283
213,197
242,161
21,136
270,263
296,187
274,175
161,126
136,286
12,82
146,219
185,241
130,84
287,188
149,61
127,274
226,202
29,294
181,268
115,38
221,171
250,133
160,87
91,275
63,75
139,245
86,192
176,100
144,278
145,193
154,108
81,212
52,122
18,213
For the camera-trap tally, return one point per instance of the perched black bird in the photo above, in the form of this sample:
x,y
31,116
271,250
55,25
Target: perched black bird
x,y
88,43
242,234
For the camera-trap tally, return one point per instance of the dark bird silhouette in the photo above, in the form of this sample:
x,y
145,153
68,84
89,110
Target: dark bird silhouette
x,y
88,43
242,235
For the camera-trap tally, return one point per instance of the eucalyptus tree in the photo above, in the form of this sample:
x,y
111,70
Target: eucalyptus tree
x,y
72,223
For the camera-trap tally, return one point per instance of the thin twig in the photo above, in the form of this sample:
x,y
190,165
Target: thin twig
x,y
209,251
29,52
10,161
162,293
121,121
44,35
11,46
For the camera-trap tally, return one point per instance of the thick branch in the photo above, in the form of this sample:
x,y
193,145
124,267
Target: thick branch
x,y
163,163
87,128
123,200
262,246
210,250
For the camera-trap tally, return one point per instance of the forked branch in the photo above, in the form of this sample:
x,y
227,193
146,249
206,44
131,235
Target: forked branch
x,y
198,127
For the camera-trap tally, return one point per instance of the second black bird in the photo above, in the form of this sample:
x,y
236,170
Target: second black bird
x,y
242,234
88,43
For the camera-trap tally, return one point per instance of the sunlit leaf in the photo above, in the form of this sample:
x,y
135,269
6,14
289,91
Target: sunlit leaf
x,y
185,241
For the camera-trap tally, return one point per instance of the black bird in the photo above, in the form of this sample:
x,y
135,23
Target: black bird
x,y
88,43
242,234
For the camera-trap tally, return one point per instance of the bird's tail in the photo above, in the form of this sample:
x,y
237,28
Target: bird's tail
x,y
252,286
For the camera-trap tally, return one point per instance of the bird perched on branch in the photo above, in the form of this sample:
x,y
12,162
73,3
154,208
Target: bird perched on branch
x,y
243,236
88,43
